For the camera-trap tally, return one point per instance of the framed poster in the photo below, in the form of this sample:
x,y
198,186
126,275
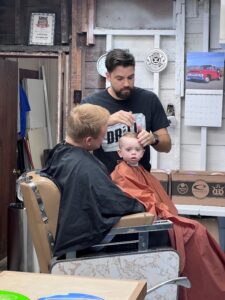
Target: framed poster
x,y
204,71
42,26
204,89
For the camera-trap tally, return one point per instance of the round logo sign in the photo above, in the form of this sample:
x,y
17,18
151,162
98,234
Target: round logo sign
x,y
200,189
101,65
156,61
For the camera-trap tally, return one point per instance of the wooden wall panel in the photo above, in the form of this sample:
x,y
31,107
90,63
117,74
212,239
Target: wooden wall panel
x,y
15,19
6,25
92,80
94,52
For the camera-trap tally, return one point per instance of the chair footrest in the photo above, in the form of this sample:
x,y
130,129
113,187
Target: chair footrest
x,y
155,226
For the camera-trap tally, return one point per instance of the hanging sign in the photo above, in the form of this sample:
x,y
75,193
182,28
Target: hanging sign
x,y
156,61
42,29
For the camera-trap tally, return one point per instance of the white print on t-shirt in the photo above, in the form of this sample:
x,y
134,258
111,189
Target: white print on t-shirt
x,y
114,132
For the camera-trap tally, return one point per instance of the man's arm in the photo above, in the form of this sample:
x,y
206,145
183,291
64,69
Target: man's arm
x,y
164,144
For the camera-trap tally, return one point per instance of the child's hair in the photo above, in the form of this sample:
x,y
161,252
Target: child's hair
x,y
86,120
129,135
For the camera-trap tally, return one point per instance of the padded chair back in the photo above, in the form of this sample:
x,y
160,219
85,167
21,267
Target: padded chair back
x,y
41,199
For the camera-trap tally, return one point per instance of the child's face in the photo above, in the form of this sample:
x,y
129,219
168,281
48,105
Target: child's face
x,y
131,151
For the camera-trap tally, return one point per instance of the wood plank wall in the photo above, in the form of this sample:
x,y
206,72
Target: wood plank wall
x,y
93,81
15,19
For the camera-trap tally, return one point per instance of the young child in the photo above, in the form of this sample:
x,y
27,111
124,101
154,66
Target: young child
x,y
202,260
138,181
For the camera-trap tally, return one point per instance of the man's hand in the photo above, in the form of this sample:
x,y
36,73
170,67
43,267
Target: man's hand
x,y
123,117
145,138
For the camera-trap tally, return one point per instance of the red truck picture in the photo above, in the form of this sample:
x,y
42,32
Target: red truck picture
x,y
204,73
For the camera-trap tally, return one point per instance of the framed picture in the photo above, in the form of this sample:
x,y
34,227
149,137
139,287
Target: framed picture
x,y
42,26
205,70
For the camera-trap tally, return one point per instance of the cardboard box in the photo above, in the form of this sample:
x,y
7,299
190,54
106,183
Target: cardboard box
x,y
211,224
198,188
164,177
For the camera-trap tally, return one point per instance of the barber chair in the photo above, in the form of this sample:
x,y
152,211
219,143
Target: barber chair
x,y
159,267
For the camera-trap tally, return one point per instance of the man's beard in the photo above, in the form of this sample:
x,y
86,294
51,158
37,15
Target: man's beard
x,y
123,94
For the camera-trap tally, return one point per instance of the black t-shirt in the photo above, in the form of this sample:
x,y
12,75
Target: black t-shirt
x,y
147,108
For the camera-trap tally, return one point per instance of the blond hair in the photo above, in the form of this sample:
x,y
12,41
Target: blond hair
x,y
86,120
127,135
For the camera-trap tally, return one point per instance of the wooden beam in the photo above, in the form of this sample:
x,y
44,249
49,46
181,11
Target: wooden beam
x,y
179,76
59,133
205,46
18,12
134,32
64,22
28,54
180,48
67,103
84,19
36,48
91,21
75,58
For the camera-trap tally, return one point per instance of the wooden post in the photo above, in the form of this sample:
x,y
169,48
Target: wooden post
x,y
18,14
179,76
64,22
91,18
59,133
75,58
204,131
84,17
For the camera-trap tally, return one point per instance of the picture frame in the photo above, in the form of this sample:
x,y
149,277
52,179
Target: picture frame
x,y
42,29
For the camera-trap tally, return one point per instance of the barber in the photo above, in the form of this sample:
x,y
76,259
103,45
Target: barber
x,y
131,109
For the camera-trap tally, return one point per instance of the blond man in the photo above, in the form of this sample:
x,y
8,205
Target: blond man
x,y
90,202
